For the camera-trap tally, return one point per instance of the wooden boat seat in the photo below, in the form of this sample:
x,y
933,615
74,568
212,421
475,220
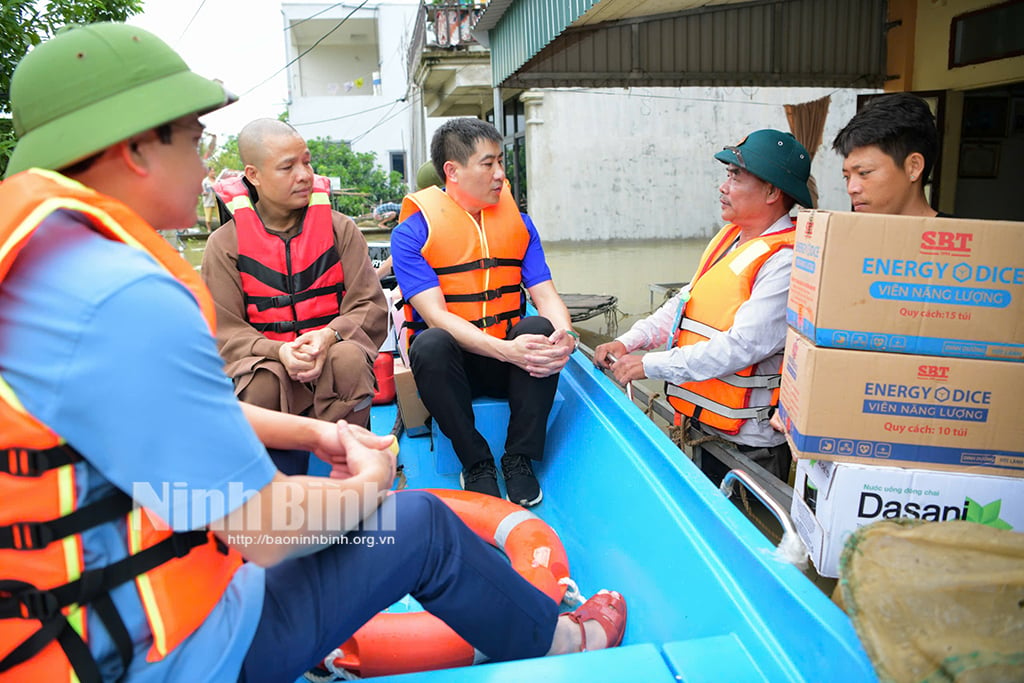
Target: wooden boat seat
x,y
492,423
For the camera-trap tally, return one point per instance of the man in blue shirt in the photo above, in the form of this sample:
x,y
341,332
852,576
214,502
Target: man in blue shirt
x,y
461,257
106,352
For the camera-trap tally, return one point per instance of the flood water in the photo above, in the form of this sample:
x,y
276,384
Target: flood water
x,y
624,269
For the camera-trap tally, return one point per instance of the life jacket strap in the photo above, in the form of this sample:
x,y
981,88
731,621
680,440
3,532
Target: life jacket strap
x,y
759,413
59,629
31,462
296,326
479,264
21,600
419,325
36,535
262,303
486,295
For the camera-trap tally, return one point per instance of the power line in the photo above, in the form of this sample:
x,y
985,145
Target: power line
x,y
194,15
346,116
310,49
313,16
387,117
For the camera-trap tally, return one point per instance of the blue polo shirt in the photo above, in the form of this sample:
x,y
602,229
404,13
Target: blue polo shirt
x,y
415,275
104,346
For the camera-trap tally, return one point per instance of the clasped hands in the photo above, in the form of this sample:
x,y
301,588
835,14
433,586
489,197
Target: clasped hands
x,y
304,357
539,355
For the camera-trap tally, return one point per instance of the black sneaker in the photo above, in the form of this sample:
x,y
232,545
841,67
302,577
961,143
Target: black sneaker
x,y
520,481
481,477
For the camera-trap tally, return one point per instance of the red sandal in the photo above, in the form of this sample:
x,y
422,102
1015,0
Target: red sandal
x,y
606,608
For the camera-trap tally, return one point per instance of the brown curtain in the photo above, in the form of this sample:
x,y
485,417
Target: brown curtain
x,y
807,123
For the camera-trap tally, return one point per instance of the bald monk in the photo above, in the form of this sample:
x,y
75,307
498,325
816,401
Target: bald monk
x,y
300,311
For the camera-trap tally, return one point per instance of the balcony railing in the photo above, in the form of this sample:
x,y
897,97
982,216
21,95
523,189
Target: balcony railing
x,y
444,24
453,21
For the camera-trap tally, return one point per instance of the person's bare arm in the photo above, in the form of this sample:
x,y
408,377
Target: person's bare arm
x,y
285,518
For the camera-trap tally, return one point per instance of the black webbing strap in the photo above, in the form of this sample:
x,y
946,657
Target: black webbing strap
x,y
19,599
294,325
479,264
419,325
57,628
31,462
490,320
118,632
36,535
31,603
486,295
262,303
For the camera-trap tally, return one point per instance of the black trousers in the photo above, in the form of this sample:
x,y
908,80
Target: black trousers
x,y
449,378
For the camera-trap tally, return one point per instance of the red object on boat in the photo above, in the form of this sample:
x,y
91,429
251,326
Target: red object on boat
x,y
384,371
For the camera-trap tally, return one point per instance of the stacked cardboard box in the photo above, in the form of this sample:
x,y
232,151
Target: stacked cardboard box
x,y
905,350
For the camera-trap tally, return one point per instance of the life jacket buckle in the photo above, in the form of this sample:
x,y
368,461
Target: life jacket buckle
x,y
37,604
25,536
280,301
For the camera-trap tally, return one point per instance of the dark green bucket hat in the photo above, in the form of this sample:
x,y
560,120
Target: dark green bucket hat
x,y
774,157
93,85
427,176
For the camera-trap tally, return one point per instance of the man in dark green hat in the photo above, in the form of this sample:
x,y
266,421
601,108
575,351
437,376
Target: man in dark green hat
x,y
722,336
122,444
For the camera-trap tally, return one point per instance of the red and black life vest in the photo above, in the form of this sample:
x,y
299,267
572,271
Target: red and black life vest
x,y
291,285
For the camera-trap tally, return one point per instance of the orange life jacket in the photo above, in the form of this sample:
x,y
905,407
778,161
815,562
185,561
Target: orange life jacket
x,y
291,286
479,267
45,588
723,282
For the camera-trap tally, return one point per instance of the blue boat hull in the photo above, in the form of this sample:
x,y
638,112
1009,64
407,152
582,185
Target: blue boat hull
x,y
708,600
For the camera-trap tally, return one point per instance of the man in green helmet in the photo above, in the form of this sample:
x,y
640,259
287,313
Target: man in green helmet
x,y
122,444
718,343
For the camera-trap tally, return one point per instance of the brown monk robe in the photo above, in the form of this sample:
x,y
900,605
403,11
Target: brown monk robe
x,y
346,384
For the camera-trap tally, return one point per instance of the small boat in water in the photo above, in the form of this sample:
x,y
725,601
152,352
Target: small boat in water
x,y
709,597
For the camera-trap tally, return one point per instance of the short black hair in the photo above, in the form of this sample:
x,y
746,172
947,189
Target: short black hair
x,y
899,124
456,140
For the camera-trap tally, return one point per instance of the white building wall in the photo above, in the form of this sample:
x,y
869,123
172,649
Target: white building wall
x,y
614,164
375,121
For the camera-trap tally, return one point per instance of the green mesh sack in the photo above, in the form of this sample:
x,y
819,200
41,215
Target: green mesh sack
x,y
937,601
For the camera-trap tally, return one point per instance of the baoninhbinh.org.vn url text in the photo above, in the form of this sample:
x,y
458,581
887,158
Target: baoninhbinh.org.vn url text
x,y
309,539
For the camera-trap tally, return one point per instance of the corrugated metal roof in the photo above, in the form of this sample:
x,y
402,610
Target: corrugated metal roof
x,y
539,43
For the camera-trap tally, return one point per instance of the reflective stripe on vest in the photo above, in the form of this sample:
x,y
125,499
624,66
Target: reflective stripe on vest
x,y
43,598
478,267
723,282
291,286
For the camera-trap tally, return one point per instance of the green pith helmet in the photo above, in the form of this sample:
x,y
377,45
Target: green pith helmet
x,y
93,85
774,157
427,176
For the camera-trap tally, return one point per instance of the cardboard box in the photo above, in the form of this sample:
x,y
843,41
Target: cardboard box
x,y
832,500
414,413
916,411
934,286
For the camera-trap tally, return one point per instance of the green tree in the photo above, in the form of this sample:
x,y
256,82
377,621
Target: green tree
x,y
226,156
358,174
25,23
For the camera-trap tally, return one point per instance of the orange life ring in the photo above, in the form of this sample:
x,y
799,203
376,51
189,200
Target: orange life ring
x,y
394,643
